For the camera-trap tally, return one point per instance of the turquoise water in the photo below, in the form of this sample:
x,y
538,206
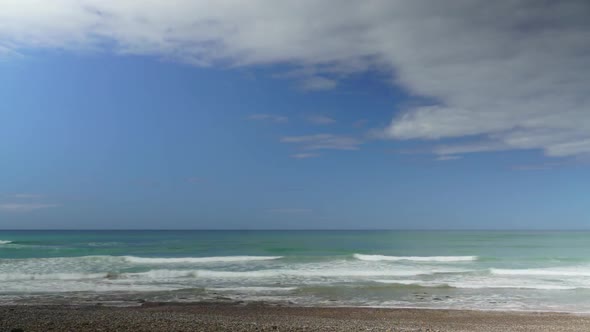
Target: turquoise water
x,y
430,269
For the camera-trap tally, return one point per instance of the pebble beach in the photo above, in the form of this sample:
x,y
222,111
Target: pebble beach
x,y
267,317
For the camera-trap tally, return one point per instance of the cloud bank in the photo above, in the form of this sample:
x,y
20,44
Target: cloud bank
x,y
501,74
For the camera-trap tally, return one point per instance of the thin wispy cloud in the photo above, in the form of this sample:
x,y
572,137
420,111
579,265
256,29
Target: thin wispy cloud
x,y
321,120
269,117
24,202
21,196
541,167
518,86
26,196
25,207
474,147
305,155
324,142
360,123
7,53
548,165
448,157
318,83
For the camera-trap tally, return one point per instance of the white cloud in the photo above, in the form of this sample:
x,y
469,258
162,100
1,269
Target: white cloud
x,y
24,207
455,149
269,117
7,53
324,142
320,120
448,157
318,83
513,72
304,155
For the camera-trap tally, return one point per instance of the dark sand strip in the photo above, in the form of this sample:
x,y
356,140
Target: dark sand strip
x,y
260,317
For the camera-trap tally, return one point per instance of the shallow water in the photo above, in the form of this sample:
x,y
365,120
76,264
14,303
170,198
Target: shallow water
x,y
434,269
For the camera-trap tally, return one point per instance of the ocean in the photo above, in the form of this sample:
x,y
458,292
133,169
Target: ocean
x,y
482,270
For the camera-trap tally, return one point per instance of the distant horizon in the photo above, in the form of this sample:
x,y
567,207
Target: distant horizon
x,y
314,230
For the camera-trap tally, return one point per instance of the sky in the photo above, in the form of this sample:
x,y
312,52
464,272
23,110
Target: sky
x,y
258,114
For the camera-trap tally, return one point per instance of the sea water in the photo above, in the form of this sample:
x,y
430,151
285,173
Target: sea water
x,y
483,270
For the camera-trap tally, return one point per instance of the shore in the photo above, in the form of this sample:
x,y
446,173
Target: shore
x,y
265,317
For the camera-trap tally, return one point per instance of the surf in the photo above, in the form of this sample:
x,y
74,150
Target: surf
x,y
554,272
51,276
183,260
377,258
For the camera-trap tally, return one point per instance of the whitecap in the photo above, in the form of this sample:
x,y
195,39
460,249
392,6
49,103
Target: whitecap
x,y
181,260
254,289
563,272
421,283
50,276
285,273
375,258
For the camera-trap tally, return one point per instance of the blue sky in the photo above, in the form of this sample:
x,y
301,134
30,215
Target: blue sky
x,y
121,133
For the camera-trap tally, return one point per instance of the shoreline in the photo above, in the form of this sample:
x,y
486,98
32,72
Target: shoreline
x,y
254,316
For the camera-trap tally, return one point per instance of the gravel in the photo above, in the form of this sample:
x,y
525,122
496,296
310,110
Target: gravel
x,y
266,317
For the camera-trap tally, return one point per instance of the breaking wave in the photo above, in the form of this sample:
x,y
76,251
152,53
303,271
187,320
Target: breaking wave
x,y
375,258
181,260
554,272
51,276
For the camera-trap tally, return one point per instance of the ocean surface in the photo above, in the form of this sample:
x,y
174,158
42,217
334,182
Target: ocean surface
x,y
485,270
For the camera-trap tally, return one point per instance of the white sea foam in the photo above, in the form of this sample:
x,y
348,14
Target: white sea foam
x,y
375,258
160,274
254,289
5,242
185,260
512,285
61,286
554,272
411,282
303,272
307,273
50,276
483,284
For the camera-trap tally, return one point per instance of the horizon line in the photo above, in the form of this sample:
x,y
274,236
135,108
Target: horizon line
x,y
302,229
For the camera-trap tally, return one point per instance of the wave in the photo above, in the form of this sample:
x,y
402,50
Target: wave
x,y
478,285
161,274
306,273
284,273
51,276
420,283
5,242
527,285
181,260
254,289
375,258
164,274
560,272
104,244
102,261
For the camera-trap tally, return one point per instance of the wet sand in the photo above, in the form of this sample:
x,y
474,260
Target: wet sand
x,y
265,317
